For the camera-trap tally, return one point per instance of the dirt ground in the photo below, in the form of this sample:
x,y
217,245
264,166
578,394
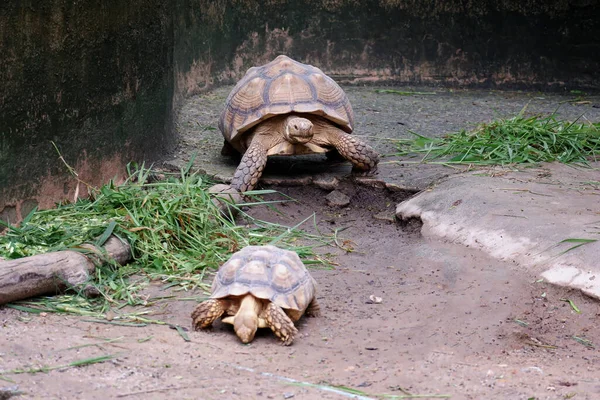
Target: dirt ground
x,y
379,118
451,322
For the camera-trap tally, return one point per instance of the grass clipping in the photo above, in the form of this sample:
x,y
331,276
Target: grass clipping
x,y
177,234
516,140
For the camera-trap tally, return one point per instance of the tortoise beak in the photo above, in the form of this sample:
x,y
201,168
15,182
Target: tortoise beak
x,y
298,130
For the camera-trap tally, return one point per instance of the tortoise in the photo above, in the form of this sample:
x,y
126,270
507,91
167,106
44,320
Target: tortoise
x,y
260,287
285,108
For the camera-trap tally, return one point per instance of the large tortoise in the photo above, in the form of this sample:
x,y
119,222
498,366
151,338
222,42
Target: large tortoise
x,y
260,287
285,108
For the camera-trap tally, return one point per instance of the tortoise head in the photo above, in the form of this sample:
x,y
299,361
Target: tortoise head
x,y
245,327
298,130
245,322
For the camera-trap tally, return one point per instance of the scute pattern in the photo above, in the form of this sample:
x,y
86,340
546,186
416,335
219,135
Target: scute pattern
x,y
269,273
280,87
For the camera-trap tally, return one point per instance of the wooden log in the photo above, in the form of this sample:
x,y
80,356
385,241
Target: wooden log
x,y
52,273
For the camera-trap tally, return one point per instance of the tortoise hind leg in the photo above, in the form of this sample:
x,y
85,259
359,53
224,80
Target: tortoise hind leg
x,y
313,309
207,312
281,325
251,167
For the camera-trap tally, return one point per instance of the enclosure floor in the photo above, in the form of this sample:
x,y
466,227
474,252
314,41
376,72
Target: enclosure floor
x,y
451,322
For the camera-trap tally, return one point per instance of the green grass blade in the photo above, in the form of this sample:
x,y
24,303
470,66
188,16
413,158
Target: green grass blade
x,y
182,333
106,234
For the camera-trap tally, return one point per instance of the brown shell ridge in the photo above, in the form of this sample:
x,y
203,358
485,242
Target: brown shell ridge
x,y
267,273
252,100
266,100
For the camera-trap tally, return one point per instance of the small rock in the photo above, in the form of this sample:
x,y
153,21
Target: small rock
x,y
374,300
533,369
370,182
288,395
326,182
409,190
385,216
337,198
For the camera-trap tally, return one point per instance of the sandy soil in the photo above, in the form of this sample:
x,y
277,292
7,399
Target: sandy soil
x,y
451,322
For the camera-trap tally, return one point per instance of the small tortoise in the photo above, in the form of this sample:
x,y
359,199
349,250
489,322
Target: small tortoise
x,y
260,287
285,108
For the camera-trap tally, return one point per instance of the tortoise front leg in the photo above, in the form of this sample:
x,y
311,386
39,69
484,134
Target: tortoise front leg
x,y
281,325
251,167
362,156
207,312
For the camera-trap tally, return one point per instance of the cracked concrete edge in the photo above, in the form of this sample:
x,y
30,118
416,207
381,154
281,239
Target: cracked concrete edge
x,y
520,250
570,276
326,182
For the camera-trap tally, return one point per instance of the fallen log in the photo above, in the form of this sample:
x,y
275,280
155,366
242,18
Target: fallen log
x,y
54,272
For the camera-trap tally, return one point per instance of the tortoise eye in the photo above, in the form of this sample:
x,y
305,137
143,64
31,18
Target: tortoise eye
x,y
295,126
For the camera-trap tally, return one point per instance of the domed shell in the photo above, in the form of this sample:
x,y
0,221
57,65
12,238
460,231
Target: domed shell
x,y
281,87
269,273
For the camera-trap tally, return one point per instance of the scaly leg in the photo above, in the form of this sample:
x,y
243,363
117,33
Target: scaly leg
x,y
280,323
251,167
207,312
362,156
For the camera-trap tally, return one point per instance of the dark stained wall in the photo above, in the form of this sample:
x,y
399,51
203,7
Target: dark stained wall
x,y
534,44
95,78
102,79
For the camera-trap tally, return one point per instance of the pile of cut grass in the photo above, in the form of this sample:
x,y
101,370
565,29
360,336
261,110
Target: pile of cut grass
x,y
177,235
511,141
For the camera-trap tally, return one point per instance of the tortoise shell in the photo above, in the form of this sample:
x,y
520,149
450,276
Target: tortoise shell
x,y
281,87
266,272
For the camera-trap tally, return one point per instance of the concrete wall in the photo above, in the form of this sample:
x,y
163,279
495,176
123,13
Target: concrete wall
x,y
98,78
534,44
95,78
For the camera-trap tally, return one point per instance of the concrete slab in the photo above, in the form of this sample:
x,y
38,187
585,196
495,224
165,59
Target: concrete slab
x,y
521,216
